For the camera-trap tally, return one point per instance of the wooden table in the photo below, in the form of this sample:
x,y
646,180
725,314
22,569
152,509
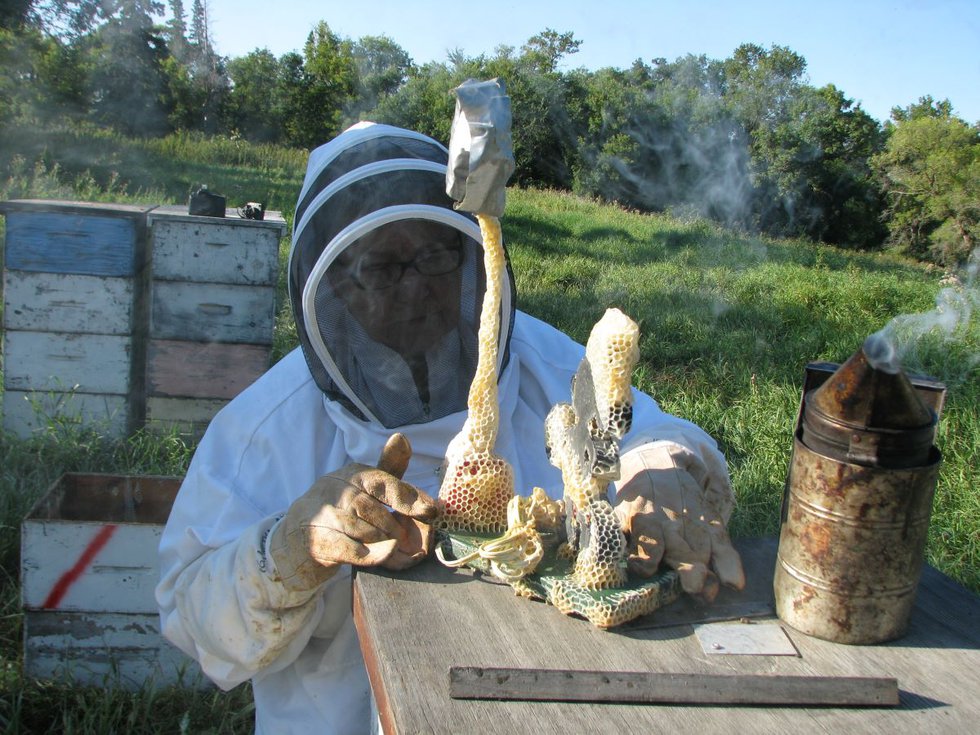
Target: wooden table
x,y
413,626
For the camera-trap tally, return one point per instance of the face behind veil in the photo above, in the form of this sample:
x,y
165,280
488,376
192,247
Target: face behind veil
x,y
386,280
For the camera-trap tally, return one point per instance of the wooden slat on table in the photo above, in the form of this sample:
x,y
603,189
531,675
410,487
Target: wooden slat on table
x,y
564,685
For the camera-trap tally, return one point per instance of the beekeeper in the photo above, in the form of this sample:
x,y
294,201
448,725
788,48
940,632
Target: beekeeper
x,y
284,492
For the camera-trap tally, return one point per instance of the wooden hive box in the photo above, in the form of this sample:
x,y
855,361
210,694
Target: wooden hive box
x,y
212,311
74,304
89,567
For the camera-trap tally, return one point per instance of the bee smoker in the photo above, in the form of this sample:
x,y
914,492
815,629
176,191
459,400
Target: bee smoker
x,y
857,501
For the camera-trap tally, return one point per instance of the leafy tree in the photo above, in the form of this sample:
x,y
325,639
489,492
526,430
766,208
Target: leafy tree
x,y
317,94
925,107
128,87
660,137
63,70
75,18
930,170
42,78
818,180
544,138
291,87
424,102
209,80
382,66
809,149
760,85
183,97
540,124
200,29
255,102
109,60
17,72
15,13
543,51
611,162
700,148
176,32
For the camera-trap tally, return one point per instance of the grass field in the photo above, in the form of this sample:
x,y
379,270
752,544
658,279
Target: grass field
x,y
728,325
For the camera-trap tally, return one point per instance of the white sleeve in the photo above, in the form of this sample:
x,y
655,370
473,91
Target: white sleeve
x,y
227,610
218,597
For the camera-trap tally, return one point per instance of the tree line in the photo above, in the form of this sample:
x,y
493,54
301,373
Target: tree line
x,y
745,141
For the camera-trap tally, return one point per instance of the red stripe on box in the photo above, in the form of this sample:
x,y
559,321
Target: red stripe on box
x,y
64,583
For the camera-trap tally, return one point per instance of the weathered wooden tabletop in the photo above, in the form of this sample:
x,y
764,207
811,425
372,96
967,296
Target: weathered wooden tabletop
x,y
415,625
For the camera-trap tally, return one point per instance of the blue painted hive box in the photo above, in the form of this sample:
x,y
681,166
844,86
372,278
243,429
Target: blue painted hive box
x,y
75,283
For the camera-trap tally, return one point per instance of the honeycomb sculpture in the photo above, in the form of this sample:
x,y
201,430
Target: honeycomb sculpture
x,y
612,351
601,563
519,551
477,484
594,534
586,575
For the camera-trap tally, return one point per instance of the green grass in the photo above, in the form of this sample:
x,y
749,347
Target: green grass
x,y
728,323
160,171
46,707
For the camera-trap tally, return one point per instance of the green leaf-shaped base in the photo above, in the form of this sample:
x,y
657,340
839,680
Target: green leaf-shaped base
x,y
552,581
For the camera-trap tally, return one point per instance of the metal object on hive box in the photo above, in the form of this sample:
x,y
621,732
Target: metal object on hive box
x,y
206,203
88,572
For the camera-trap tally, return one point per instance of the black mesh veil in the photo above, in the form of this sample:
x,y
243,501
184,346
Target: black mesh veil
x,y
386,280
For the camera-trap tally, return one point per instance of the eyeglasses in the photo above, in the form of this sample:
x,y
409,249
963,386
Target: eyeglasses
x,y
374,275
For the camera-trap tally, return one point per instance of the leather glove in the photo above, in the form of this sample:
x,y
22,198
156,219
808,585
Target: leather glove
x,y
672,512
346,518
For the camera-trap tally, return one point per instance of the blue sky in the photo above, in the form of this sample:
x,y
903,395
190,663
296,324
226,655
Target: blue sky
x,y
880,53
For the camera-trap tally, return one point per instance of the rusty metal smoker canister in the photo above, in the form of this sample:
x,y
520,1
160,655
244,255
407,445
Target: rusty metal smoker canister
x,y
857,503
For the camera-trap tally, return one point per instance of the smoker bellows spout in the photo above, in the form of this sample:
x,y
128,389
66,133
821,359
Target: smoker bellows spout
x,y
869,415
857,502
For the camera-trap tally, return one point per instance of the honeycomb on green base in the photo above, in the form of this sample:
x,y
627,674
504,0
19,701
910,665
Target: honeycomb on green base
x,y
554,582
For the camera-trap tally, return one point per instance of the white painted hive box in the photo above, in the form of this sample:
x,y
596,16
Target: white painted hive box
x,y
212,312
88,571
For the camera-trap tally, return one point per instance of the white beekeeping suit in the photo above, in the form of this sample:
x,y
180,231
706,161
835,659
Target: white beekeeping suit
x,y
336,400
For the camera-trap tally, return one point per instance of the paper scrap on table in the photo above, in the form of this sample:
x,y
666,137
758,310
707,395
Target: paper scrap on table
x,y
758,639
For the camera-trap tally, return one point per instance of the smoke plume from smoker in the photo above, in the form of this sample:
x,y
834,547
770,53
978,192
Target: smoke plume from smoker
x,y
895,346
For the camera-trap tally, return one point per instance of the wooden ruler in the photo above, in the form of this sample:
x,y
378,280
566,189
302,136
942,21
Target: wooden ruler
x,y
472,682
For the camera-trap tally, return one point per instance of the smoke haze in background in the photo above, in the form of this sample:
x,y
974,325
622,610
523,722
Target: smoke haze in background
x,y
702,173
934,342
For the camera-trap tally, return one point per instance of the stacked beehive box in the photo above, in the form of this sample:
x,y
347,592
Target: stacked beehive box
x,y
88,572
118,315
74,299
212,312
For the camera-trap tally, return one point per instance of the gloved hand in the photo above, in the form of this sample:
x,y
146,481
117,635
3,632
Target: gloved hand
x,y
346,518
671,512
